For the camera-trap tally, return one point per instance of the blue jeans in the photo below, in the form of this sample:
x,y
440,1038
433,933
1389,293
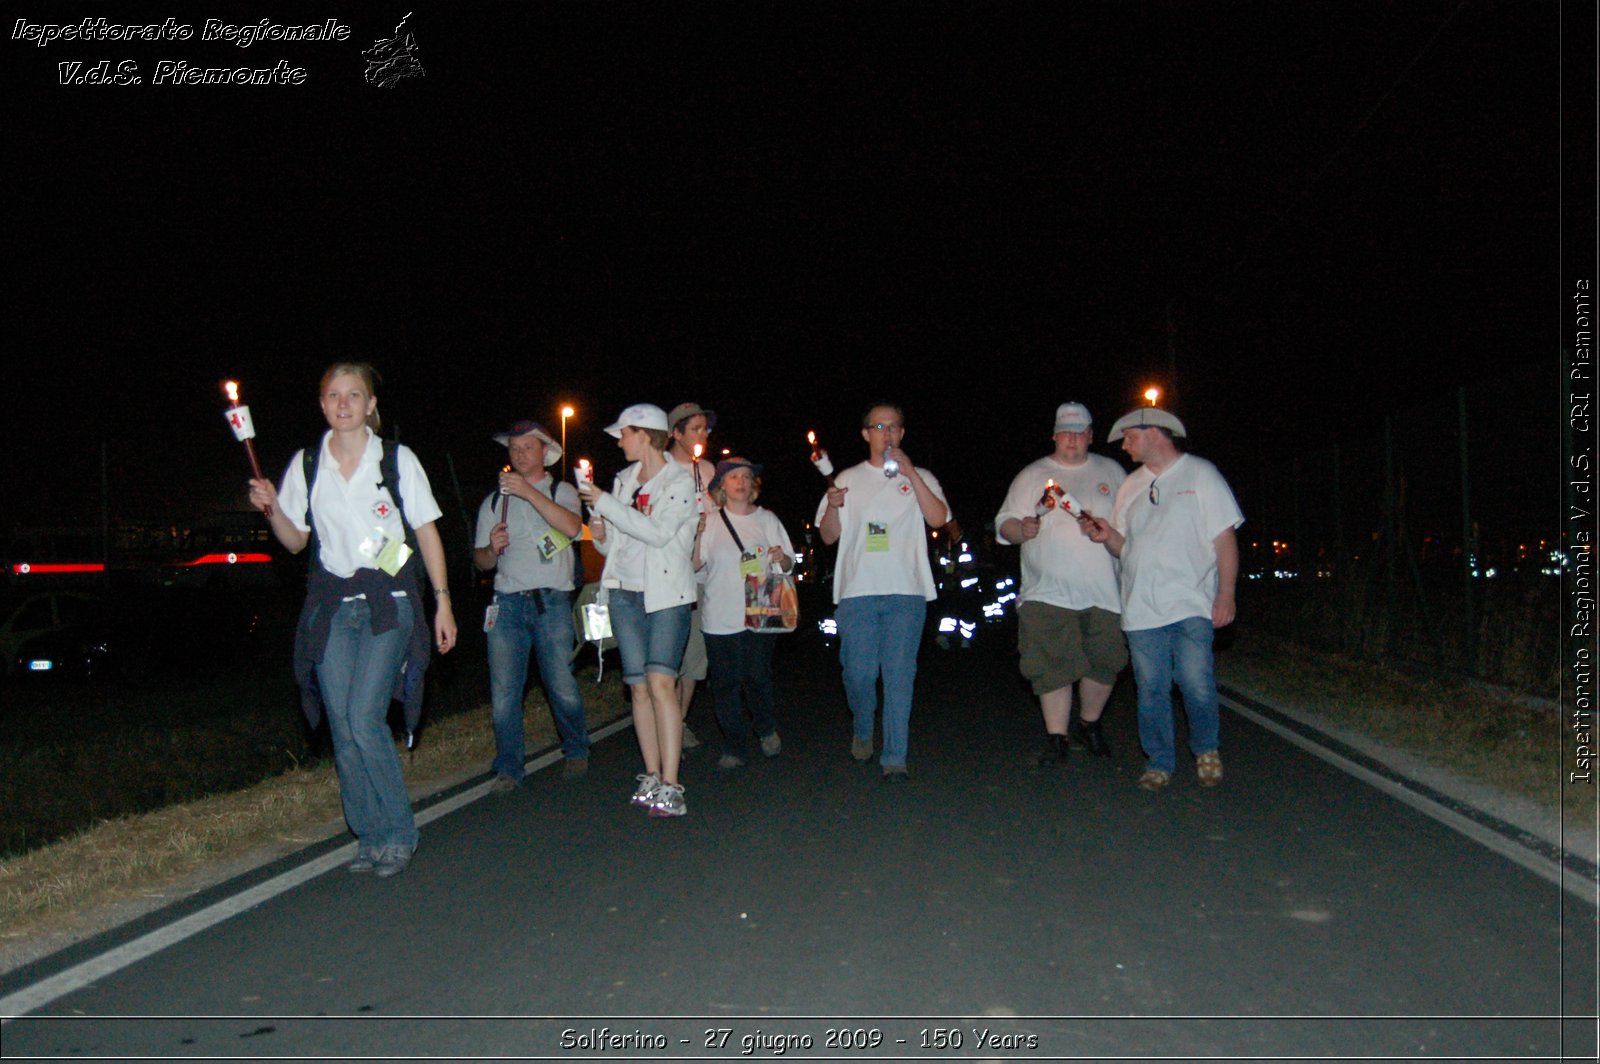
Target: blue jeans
x,y
879,635
1180,652
741,679
647,642
357,676
539,621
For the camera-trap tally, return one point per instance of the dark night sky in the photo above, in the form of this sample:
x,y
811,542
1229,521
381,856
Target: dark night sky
x,y
787,210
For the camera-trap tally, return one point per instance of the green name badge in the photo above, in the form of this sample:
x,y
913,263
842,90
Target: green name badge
x,y
552,543
392,558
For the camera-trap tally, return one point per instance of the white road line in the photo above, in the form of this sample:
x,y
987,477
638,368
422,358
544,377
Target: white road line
x,y
40,994
1568,880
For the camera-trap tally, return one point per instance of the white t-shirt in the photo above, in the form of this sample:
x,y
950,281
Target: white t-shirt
x,y
523,565
722,583
883,538
1169,562
1061,566
349,512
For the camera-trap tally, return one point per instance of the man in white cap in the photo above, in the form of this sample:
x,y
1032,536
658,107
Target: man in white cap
x,y
525,530
689,425
1069,630
1173,527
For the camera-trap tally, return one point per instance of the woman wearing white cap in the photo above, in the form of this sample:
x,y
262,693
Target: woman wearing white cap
x,y
645,526
740,540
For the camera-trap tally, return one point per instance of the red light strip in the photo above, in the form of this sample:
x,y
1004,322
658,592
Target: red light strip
x,y
229,559
35,568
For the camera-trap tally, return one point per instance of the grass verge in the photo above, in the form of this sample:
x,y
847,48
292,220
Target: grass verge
x,y
61,891
1492,739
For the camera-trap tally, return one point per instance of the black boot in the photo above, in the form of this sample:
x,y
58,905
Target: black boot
x,y
1055,751
1095,739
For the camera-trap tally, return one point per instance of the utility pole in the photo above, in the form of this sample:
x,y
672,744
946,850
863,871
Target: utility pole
x,y
1469,630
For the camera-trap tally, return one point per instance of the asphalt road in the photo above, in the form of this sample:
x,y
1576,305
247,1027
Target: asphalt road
x,y
989,909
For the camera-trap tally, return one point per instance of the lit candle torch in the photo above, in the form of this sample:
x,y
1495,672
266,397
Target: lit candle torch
x,y
1047,501
583,473
505,499
819,458
244,430
699,491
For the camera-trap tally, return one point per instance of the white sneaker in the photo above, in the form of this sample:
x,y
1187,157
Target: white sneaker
x,y
645,794
669,801
772,746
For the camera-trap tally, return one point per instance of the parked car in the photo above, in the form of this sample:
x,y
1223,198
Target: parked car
x,y
57,632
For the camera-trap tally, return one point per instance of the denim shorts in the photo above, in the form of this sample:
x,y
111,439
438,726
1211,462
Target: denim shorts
x,y
647,642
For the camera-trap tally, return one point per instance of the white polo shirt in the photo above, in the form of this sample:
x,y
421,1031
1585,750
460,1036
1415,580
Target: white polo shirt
x,y
347,512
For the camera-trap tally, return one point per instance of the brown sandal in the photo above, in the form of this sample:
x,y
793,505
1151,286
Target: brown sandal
x,y
1208,767
1154,779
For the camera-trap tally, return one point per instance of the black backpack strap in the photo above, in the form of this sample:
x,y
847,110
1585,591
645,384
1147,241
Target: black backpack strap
x,y
737,542
389,474
310,459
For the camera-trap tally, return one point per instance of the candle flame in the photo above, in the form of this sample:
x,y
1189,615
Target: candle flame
x,y
698,450
1050,483
583,464
811,438
232,388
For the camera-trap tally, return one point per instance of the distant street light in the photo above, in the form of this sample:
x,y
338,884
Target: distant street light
x,y
566,412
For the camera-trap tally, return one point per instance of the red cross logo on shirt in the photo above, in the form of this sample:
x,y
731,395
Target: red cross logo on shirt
x,y
382,509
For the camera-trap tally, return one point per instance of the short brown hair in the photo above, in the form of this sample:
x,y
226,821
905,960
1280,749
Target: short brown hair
x,y
899,412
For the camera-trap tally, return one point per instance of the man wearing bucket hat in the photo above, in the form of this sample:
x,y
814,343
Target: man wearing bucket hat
x,y
690,424
1173,527
1069,627
525,530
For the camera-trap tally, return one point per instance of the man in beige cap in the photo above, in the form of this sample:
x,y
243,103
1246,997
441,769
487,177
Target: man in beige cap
x,y
1173,527
1069,627
689,425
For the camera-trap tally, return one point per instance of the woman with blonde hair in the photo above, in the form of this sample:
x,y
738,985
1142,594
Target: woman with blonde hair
x,y
742,541
362,640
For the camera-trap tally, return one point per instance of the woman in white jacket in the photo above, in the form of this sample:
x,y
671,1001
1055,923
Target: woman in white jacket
x,y
645,526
